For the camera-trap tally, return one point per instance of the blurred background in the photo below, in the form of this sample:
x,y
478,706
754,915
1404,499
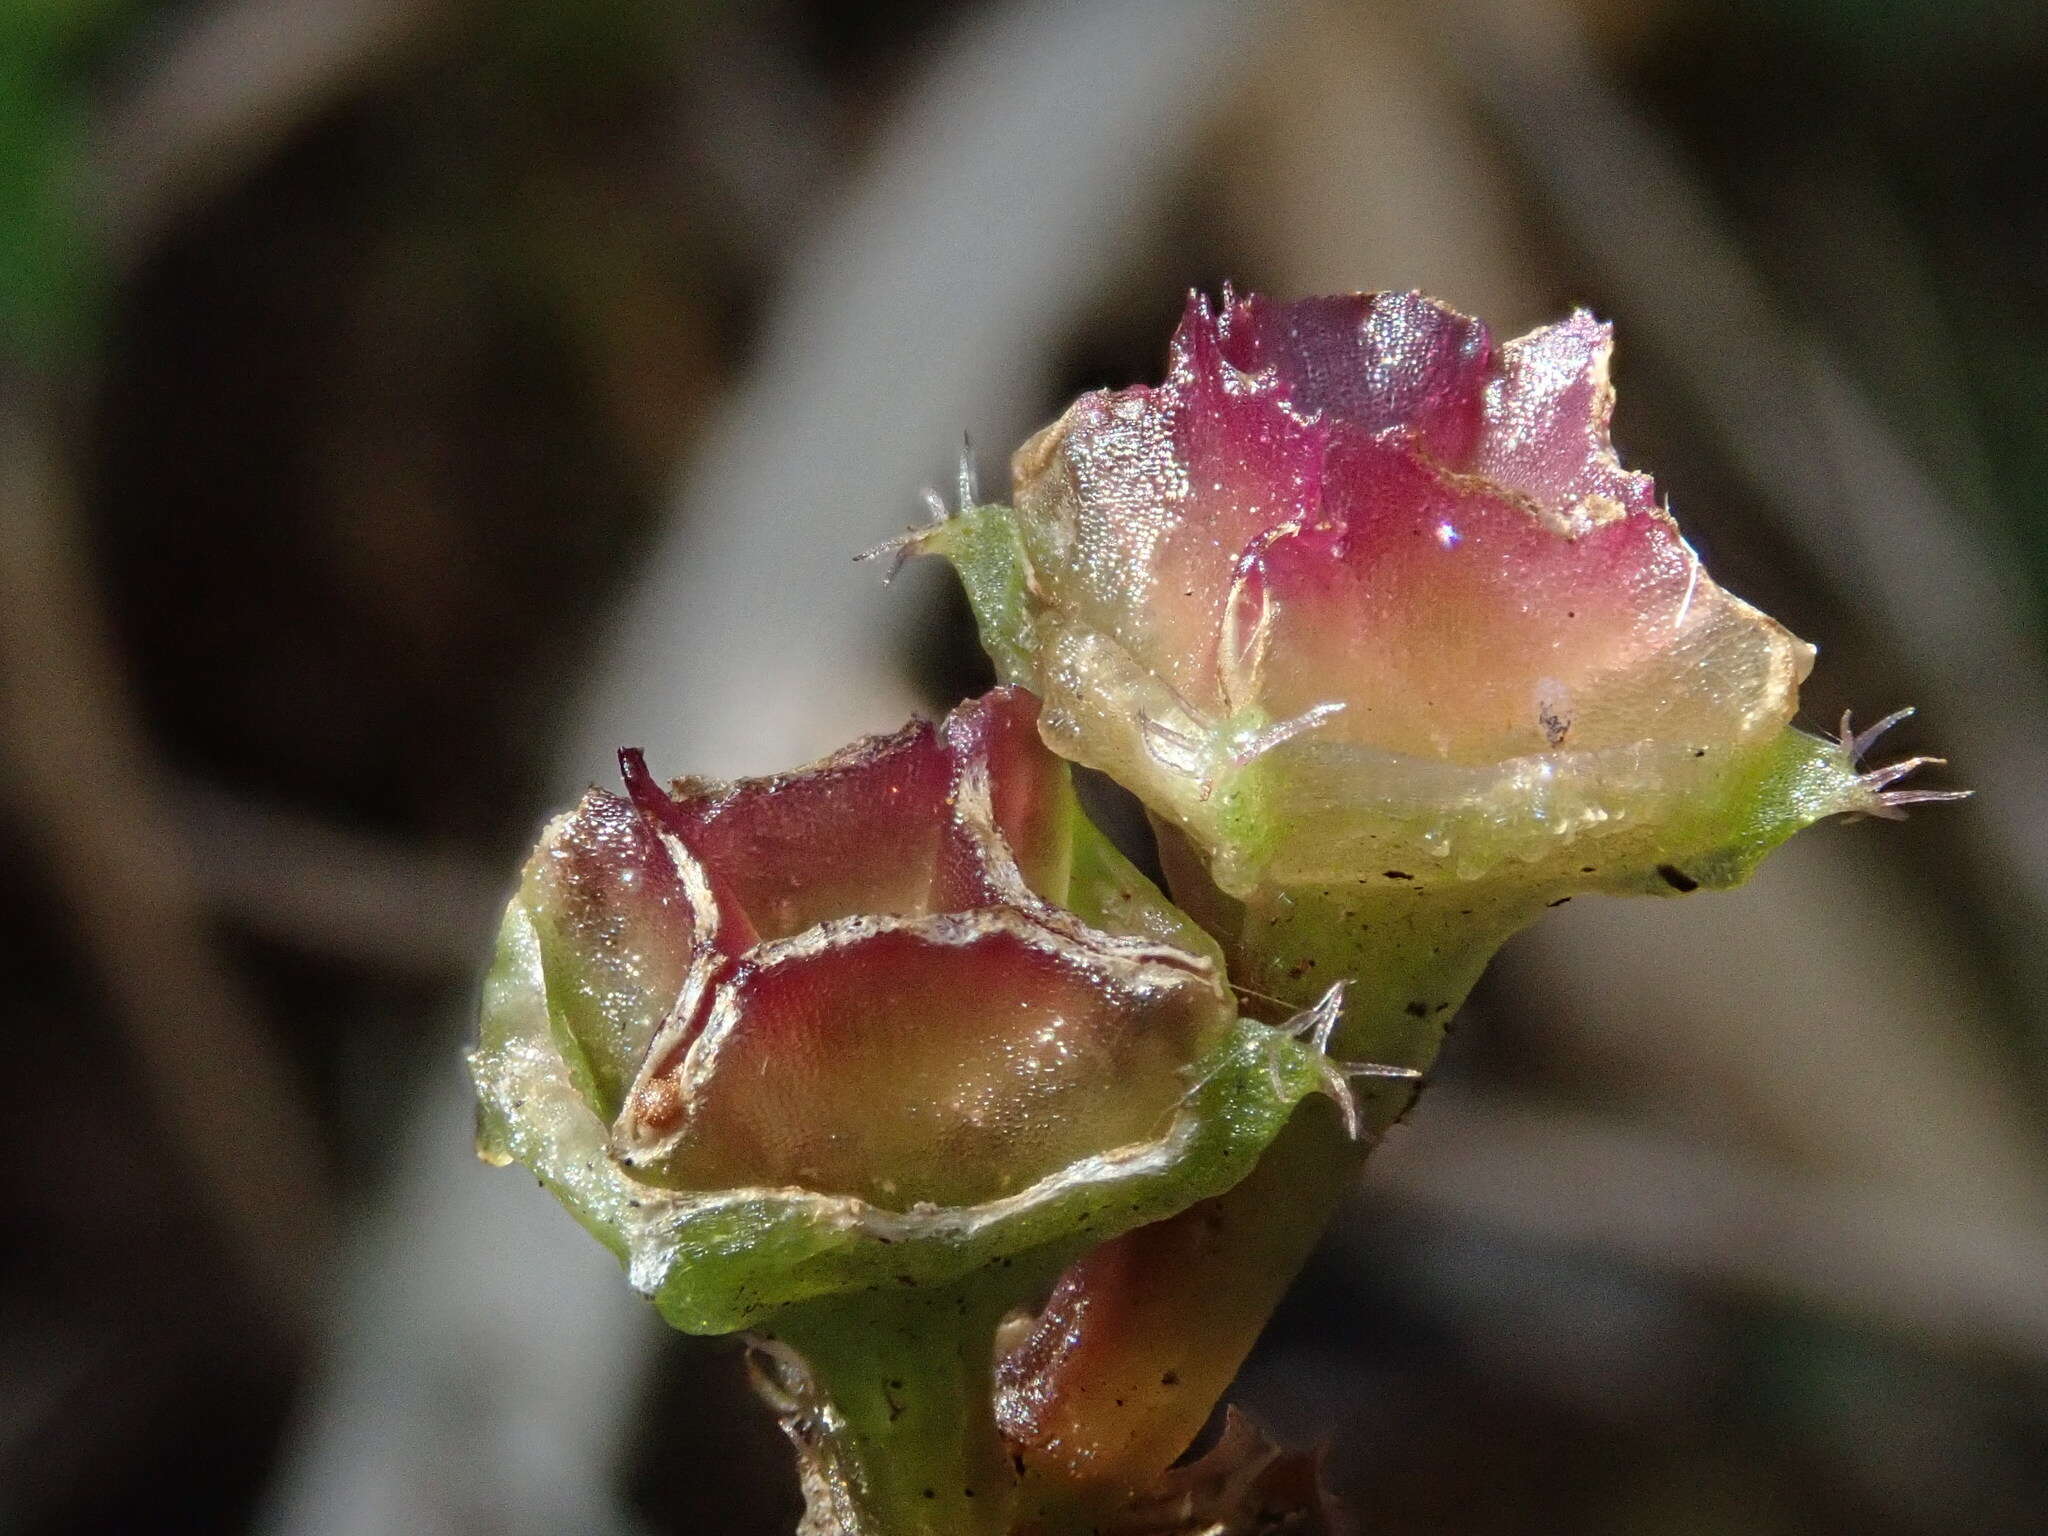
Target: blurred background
x,y
404,402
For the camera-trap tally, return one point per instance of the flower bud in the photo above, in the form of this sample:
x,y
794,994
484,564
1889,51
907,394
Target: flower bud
x,y
887,1018
1358,592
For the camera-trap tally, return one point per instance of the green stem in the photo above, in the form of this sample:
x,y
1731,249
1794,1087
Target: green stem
x,y
1145,1333
895,1426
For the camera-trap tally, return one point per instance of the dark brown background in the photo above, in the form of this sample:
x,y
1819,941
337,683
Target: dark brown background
x,y
438,394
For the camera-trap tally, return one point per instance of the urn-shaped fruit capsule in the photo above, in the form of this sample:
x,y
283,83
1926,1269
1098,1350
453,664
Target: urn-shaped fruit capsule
x,y
901,1013
1358,590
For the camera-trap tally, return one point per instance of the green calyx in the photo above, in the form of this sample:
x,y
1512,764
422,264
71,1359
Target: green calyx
x,y
887,1397
986,547
1656,819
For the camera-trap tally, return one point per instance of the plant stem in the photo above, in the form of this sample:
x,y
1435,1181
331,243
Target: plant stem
x,y
1145,1333
895,1426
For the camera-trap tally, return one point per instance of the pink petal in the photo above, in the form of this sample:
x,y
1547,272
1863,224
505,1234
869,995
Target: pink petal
x,y
858,832
1151,493
616,931
1376,362
1003,771
955,1060
1547,416
882,828
1453,621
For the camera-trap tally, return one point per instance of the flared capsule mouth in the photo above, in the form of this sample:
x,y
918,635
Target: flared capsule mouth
x,y
1364,507
727,1259
1356,584
857,978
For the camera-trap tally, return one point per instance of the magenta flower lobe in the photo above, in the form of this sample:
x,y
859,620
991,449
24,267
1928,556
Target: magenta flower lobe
x,y
856,980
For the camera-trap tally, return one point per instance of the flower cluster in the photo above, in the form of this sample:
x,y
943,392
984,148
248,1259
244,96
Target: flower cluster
x,y
863,1058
